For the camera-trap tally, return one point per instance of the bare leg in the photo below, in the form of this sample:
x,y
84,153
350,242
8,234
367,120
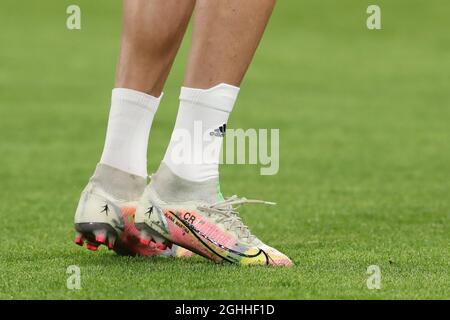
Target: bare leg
x,y
226,34
152,34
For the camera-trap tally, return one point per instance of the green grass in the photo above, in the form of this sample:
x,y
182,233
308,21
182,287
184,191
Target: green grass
x,y
364,167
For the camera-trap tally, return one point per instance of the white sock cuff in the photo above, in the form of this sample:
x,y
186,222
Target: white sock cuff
x,y
221,97
129,123
137,98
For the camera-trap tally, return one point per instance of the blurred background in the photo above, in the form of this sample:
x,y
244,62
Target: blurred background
x,y
364,145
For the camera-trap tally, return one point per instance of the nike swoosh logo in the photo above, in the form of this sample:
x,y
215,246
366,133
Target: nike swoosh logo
x,y
197,232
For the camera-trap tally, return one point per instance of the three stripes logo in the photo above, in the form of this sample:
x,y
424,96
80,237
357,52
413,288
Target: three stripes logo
x,y
220,131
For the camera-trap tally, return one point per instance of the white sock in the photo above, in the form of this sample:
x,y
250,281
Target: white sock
x,y
199,129
130,120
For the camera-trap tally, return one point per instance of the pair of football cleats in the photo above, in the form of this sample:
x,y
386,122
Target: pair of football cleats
x,y
162,219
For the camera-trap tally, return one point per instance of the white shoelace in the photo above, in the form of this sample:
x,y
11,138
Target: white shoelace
x,y
228,214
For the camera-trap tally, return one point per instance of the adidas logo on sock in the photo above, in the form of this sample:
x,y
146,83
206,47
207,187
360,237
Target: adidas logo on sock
x,y
220,131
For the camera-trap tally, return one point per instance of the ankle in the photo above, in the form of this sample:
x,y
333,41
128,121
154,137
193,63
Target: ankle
x,y
172,188
119,184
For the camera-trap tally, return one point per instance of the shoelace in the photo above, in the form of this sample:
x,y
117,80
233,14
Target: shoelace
x,y
229,215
